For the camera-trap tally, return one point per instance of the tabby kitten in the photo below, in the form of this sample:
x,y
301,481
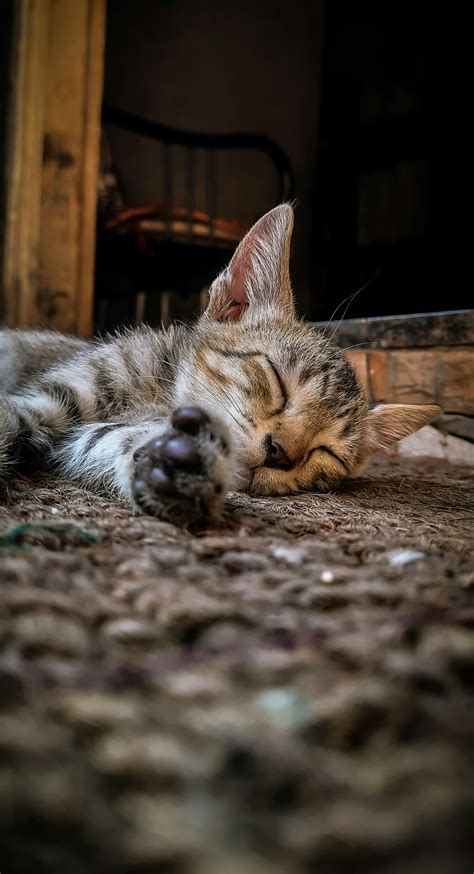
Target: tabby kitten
x,y
250,398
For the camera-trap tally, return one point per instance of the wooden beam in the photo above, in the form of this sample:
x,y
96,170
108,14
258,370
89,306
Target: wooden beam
x,y
24,163
53,164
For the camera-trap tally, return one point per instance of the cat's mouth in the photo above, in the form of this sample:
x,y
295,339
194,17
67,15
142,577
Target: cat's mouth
x,y
270,481
261,478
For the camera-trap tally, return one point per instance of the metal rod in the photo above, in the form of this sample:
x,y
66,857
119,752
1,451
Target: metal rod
x,y
147,128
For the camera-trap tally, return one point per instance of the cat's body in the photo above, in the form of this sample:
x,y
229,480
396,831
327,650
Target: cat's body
x,y
249,398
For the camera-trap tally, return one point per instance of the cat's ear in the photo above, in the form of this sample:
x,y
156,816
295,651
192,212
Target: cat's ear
x,y
258,275
388,423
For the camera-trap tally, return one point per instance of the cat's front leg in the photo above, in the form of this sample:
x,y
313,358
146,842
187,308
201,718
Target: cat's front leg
x,y
178,471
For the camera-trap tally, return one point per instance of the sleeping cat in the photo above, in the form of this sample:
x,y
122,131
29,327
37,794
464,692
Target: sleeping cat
x,y
250,398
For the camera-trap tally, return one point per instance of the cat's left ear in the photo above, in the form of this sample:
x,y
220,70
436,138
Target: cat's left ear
x,y
389,423
258,275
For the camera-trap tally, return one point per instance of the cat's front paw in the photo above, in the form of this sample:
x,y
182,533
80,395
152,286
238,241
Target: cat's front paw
x,y
183,475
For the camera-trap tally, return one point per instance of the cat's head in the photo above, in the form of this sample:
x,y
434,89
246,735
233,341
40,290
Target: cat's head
x,y
297,414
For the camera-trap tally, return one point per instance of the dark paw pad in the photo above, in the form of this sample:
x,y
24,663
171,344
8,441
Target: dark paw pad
x,y
175,451
158,463
189,419
175,474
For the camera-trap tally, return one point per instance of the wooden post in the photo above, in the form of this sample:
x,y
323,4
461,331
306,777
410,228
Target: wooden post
x,y
24,163
53,164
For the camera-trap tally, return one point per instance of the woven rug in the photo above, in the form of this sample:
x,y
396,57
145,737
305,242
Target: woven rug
x,y
288,694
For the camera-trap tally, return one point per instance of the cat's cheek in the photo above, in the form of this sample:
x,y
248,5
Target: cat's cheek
x,y
360,464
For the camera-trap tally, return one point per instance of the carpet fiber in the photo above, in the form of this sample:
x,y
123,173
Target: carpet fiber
x,y
286,695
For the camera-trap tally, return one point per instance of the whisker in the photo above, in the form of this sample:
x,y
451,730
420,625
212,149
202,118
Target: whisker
x,y
218,400
350,299
231,401
354,345
184,324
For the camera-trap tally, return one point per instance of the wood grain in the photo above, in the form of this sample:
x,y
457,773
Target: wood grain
x,y
24,162
52,173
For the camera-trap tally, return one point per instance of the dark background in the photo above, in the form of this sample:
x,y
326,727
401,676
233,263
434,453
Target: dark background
x,y
347,89
357,94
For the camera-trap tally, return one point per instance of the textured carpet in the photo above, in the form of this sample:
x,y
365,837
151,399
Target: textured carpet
x,y
287,695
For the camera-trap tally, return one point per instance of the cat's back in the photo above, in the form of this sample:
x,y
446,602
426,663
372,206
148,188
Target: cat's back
x,y
26,354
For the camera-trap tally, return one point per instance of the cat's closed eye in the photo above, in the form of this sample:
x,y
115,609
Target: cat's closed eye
x,y
328,451
281,386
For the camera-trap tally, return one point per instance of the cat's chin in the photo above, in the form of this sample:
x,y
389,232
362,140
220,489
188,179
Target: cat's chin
x,y
244,481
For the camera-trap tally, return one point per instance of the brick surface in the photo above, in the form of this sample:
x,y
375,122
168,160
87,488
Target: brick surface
x,y
441,375
359,362
457,380
412,377
377,371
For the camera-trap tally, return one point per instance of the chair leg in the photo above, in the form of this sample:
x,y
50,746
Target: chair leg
x,y
165,299
140,302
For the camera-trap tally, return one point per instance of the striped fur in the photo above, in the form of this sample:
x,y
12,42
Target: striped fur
x,y
257,370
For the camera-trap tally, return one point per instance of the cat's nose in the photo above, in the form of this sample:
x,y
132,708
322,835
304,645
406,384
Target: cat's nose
x,y
276,455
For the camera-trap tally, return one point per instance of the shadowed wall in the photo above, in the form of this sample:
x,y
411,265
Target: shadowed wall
x,y
210,66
